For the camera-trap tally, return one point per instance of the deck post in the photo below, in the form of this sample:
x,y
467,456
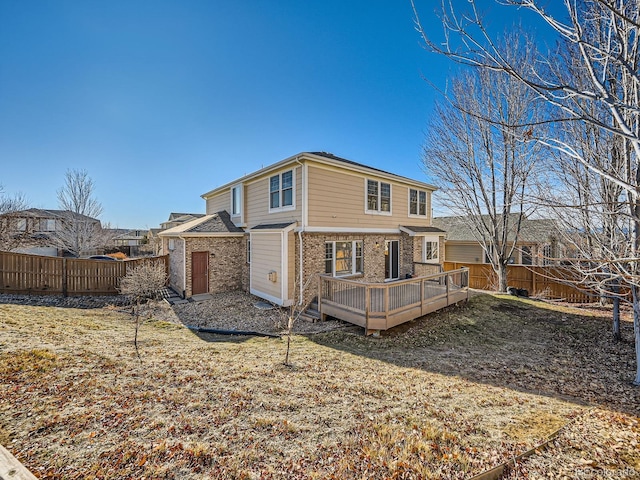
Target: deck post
x,y
367,301
322,315
446,284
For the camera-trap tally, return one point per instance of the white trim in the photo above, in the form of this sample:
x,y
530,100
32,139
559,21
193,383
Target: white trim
x,y
387,242
305,195
412,233
352,230
288,228
284,264
205,234
366,198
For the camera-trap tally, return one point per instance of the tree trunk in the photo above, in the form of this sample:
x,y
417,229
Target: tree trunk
x,y
616,313
636,329
502,278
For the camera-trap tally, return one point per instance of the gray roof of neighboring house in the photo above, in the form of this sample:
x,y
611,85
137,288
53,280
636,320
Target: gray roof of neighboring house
x,y
175,216
51,213
531,230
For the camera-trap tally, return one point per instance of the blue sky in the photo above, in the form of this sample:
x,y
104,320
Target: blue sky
x,y
161,101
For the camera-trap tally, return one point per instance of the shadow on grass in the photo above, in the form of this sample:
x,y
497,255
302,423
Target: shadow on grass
x,y
512,343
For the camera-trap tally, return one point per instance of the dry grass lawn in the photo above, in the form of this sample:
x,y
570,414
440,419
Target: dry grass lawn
x,y
447,396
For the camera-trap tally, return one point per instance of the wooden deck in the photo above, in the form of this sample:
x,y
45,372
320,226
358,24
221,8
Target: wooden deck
x,y
380,306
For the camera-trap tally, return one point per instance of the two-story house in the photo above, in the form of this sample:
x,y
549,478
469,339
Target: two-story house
x,y
273,230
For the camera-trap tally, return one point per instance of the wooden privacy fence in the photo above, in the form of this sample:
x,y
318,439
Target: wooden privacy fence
x,y
34,274
537,280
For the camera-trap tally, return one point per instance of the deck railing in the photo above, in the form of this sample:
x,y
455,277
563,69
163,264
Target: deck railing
x,y
379,306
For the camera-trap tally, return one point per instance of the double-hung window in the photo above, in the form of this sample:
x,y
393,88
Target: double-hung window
x,y
378,197
281,190
343,258
417,202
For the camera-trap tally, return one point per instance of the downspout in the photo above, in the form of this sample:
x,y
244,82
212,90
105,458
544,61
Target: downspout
x,y
304,223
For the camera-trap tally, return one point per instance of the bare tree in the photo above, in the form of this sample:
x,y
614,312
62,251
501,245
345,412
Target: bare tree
x,y
11,235
142,283
79,231
605,36
475,151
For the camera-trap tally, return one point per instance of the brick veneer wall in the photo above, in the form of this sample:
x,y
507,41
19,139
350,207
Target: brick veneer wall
x,y
176,263
226,259
373,257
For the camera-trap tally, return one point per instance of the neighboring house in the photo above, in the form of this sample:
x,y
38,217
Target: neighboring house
x,y
128,238
272,231
176,219
40,229
537,242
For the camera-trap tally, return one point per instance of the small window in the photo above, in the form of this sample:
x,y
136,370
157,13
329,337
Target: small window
x,y
378,197
236,200
527,259
281,190
171,244
417,202
431,249
343,258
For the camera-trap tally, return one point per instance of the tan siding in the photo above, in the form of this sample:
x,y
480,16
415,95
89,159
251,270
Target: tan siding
x,y
257,198
463,253
219,202
266,255
337,199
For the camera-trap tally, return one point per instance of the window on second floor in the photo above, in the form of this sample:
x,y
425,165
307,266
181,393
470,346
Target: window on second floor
x,y
378,197
236,200
281,190
417,202
47,225
21,224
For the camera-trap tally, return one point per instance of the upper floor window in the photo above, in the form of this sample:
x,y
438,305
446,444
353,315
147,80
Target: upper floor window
x,y
378,197
236,200
21,225
281,190
47,225
417,202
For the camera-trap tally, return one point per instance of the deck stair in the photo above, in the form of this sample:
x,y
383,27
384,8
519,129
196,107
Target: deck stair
x,y
311,314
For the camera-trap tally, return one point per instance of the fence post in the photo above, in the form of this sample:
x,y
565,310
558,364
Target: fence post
x,y
64,277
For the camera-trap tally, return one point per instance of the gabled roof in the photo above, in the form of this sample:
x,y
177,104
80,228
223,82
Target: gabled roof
x,y
51,213
174,216
531,230
218,223
326,158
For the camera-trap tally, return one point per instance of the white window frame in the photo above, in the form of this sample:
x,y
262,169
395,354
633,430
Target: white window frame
x,y
236,207
431,240
418,203
354,257
378,210
280,207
